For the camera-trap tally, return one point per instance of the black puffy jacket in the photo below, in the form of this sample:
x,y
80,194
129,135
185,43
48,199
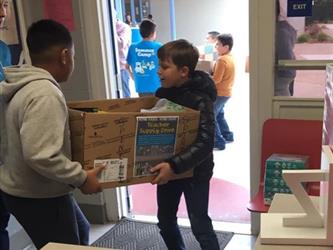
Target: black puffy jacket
x,y
198,93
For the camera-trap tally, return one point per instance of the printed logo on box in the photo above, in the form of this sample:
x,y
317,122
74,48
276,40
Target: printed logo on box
x,y
115,169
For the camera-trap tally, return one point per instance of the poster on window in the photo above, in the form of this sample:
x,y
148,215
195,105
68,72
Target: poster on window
x,y
155,141
60,11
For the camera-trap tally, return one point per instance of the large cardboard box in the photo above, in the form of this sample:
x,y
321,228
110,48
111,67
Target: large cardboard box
x,y
274,182
205,65
126,140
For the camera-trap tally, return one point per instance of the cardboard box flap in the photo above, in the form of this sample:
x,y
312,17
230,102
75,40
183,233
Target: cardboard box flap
x,y
117,105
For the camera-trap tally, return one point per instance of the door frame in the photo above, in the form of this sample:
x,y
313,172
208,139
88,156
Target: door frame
x,y
262,36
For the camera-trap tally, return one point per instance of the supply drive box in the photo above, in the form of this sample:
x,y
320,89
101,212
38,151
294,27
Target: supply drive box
x,y
274,182
114,133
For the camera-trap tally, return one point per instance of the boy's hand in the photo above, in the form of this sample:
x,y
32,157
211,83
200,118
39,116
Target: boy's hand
x,y
91,185
165,173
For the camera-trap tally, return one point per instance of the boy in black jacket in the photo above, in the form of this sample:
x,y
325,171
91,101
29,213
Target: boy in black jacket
x,y
194,89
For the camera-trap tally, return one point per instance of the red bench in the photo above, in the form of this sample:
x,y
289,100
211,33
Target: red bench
x,y
287,136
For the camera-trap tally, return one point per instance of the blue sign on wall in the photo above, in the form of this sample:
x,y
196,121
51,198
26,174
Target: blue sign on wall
x,y
299,8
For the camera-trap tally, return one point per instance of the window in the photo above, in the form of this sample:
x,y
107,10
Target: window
x,y
304,45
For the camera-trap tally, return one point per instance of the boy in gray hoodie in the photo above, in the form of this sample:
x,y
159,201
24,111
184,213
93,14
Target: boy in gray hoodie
x,y
37,175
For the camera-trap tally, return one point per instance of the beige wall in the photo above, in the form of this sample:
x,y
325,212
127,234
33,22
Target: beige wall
x,y
77,87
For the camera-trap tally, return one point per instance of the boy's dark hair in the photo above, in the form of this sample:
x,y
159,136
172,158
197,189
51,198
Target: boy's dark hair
x,y
213,34
147,27
226,39
181,52
45,34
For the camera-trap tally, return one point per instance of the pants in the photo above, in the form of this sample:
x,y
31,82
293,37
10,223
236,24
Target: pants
x,y
4,218
222,131
282,86
125,83
196,196
291,88
50,220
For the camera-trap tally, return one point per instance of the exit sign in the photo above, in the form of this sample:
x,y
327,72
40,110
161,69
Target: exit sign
x,y
299,8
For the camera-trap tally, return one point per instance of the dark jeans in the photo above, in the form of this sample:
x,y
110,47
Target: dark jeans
x,y
196,196
50,220
4,218
125,76
222,131
291,88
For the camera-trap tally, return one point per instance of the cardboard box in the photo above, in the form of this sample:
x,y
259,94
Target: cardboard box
x,y
59,246
205,65
274,182
111,136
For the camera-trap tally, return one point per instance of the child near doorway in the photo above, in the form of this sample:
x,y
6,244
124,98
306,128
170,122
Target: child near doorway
x,y
194,89
223,76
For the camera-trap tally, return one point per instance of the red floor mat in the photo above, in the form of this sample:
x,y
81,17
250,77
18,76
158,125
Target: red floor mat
x,y
227,201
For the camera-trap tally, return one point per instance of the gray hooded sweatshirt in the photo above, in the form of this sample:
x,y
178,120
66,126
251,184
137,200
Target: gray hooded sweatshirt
x,y
35,148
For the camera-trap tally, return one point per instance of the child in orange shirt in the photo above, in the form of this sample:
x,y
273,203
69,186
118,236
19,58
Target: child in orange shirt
x,y
223,76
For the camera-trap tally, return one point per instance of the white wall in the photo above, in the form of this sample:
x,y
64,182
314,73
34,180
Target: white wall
x,y
160,12
77,87
194,18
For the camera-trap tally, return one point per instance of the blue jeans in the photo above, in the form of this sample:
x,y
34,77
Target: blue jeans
x,y
222,131
125,83
282,86
46,220
4,218
196,196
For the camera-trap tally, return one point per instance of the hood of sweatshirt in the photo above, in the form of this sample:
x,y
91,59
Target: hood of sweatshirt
x,y
17,77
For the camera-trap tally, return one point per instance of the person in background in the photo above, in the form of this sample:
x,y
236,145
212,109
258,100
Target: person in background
x,y
5,60
128,19
142,61
5,56
212,37
124,34
223,76
37,176
150,17
286,36
209,49
183,85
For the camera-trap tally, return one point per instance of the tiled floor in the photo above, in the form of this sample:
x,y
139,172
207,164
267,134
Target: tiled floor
x,y
241,242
